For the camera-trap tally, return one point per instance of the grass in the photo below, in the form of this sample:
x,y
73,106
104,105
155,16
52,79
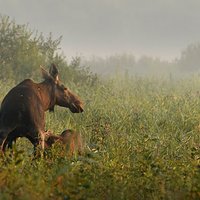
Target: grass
x,y
142,140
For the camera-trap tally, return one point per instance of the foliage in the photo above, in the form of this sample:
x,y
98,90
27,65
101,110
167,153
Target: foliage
x,y
141,134
23,51
142,137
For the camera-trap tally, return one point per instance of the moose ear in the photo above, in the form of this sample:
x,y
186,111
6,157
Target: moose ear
x,y
45,74
53,71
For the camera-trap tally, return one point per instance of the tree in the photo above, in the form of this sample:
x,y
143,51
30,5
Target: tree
x,y
22,51
190,58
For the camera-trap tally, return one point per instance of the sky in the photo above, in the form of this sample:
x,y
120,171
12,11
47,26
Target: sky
x,y
158,28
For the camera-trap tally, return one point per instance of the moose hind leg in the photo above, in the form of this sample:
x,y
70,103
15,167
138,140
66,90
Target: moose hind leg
x,y
3,135
12,137
8,142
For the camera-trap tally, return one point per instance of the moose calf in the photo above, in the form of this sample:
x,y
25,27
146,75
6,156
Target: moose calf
x,y
71,139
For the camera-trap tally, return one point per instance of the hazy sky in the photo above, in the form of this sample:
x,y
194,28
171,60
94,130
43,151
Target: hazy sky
x,y
102,27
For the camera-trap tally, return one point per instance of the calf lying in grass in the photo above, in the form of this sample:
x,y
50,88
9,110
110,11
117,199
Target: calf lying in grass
x,y
71,139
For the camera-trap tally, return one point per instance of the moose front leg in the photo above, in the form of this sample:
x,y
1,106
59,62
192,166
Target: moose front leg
x,y
43,136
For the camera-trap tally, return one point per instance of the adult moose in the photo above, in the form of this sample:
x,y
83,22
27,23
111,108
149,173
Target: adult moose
x,y
22,112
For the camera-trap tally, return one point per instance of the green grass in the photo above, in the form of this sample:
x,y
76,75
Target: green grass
x,y
142,140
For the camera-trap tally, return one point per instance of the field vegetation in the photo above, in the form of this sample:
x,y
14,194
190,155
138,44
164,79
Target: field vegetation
x,y
142,142
141,135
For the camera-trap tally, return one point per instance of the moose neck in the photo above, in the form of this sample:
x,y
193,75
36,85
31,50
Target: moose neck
x,y
46,91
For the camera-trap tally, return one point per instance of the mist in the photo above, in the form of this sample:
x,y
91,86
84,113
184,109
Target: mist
x,y
129,37
101,28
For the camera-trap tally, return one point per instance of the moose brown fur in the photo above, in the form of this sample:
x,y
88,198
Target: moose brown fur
x,y
22,112
71,139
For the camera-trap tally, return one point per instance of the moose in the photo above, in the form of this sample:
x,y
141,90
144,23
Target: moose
x,y
72,140
22,112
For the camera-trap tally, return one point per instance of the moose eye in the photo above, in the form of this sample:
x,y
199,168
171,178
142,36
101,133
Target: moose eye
x,y
65,93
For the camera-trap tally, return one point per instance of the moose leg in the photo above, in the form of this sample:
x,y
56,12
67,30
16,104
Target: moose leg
x,y
9,141
16,133
32,137
43,136
3,135
12,137
3,140
37,137
34,141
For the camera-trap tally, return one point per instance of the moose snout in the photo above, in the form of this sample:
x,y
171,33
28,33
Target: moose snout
x,y
81,110
76,108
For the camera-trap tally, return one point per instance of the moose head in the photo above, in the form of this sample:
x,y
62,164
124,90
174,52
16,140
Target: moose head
x,y
61,95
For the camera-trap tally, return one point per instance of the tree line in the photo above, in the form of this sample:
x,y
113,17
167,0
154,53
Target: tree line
x,y
22,51
187,63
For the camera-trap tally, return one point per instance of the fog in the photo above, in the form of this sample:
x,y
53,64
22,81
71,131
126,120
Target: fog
x,y
159,28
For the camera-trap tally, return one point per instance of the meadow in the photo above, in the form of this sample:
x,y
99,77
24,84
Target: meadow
x,y
142,141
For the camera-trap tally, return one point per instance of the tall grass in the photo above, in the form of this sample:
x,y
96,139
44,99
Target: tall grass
x,y
142,140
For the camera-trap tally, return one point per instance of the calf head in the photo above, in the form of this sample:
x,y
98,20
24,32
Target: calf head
x,y
72,141
62,95
51,139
